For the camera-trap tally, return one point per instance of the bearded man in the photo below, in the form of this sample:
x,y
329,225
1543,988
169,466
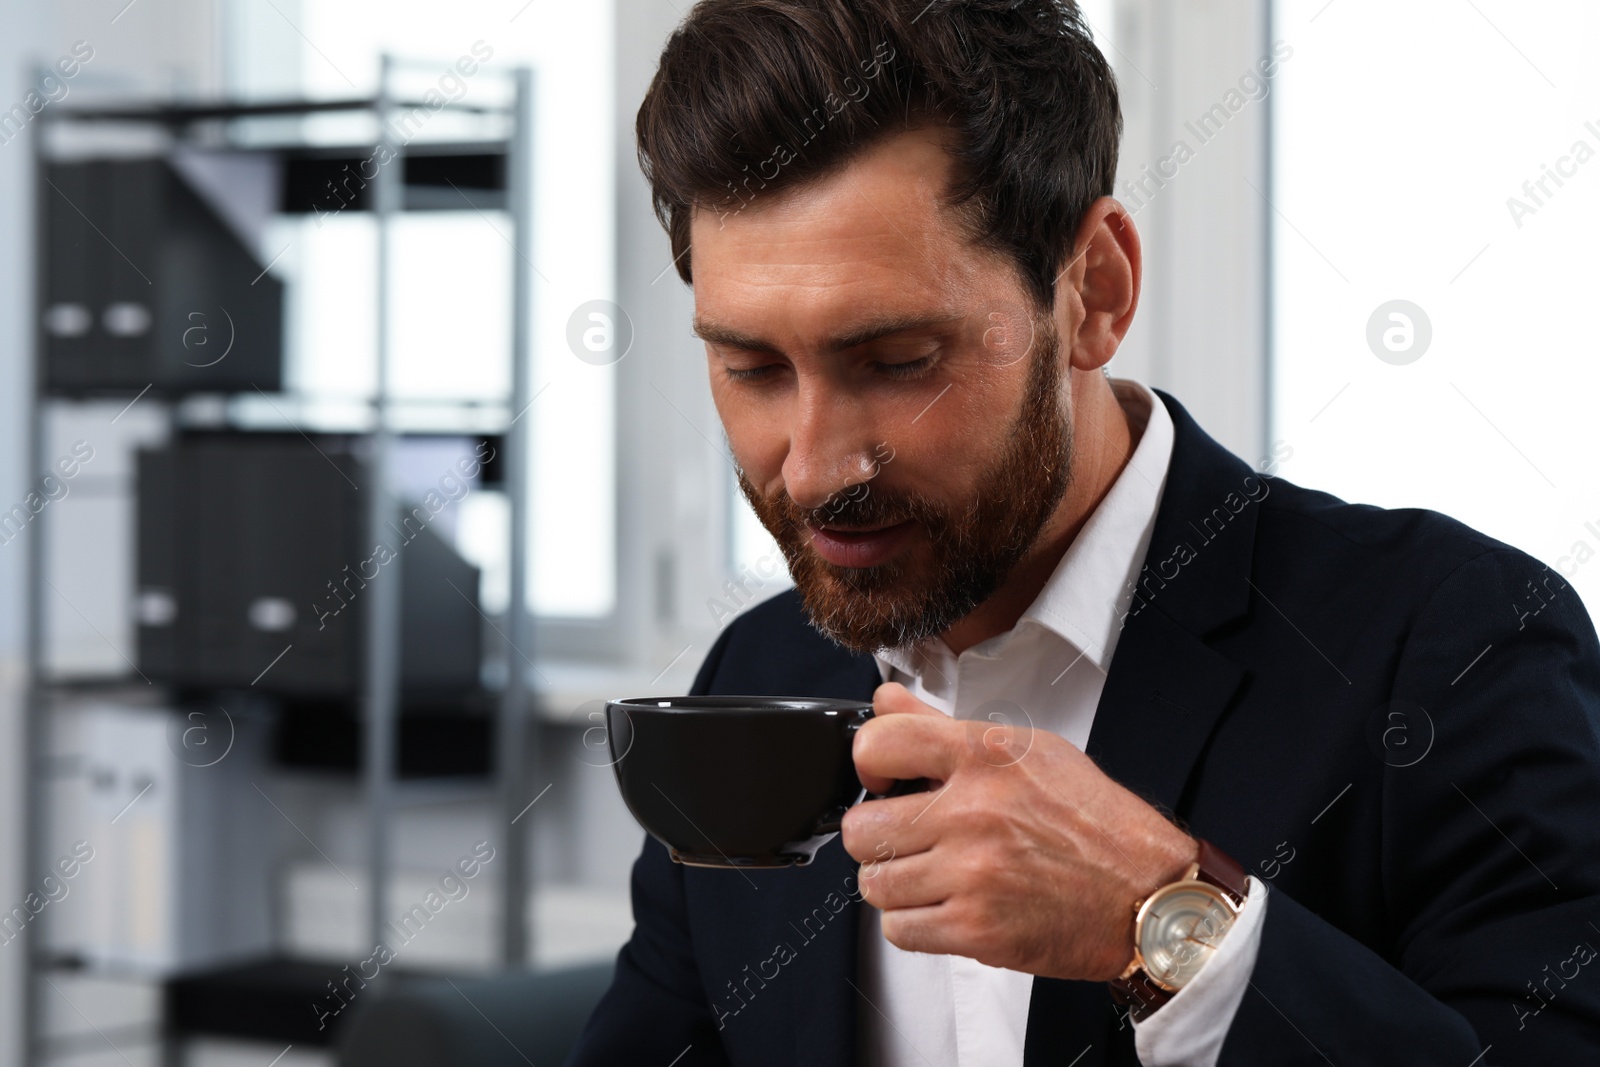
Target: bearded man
x,y
1343,745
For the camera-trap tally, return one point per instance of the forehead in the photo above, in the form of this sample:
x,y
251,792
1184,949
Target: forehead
x,y
875,231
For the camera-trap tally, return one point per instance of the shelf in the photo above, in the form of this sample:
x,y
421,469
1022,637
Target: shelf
x,y
405,754
178,115
270,998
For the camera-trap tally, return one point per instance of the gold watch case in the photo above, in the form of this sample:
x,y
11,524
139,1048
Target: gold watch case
x,y
1177,929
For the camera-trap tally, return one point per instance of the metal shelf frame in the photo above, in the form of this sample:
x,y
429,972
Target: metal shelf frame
x,y
516,739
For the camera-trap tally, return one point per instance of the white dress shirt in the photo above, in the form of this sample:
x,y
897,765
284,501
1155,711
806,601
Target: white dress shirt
x,y
1047,671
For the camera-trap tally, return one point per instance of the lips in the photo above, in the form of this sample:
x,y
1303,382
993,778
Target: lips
x,y
858,547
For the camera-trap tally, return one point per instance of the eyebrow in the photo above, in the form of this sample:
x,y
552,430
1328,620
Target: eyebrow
x,y
863,333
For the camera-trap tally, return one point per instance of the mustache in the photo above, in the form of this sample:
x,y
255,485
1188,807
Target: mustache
x,y
872,508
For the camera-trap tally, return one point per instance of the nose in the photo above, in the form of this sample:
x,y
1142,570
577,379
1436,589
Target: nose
x,y
829,445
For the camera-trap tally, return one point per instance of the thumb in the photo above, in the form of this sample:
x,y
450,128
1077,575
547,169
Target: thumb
x,y
889,699
892,698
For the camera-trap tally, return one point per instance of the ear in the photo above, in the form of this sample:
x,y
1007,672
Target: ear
x,y
1098,290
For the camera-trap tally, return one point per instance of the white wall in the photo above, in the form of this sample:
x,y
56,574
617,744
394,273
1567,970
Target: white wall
x,y
672,509
1199,332
1407,183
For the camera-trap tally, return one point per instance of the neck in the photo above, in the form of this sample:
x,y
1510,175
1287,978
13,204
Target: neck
x,y
1102,445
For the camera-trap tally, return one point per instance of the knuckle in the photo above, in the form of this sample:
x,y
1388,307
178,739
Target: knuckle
x,y
988,925
967,871
982,817
966,925
987,863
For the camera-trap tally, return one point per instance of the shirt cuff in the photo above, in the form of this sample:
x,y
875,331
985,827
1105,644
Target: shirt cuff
x,y
1189,1029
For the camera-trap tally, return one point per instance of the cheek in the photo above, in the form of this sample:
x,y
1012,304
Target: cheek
x,y
756,432
952,441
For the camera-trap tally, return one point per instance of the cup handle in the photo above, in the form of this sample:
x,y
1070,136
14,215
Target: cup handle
x,y
831,823
901,787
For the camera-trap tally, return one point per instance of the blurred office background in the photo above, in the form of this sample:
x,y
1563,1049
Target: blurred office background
x,y
1368,235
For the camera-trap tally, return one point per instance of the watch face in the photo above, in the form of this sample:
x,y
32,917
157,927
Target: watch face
x,y
1182,927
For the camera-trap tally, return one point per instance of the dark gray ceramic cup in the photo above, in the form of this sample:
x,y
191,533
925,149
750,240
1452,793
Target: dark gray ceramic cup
x,y
739,781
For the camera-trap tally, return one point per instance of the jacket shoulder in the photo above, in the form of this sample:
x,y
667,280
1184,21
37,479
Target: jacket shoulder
x,y
1362,543
774,650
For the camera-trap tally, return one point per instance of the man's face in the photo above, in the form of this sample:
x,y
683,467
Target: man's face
x,y
892,396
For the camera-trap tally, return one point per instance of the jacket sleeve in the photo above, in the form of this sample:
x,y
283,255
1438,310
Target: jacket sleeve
x,y
656,1010
1189,1030
1490,853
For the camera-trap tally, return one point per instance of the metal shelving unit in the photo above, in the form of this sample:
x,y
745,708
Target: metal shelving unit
x,y
214,125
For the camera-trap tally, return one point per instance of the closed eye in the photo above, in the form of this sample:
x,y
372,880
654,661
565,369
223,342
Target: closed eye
x,y
914,368
904,371
748,374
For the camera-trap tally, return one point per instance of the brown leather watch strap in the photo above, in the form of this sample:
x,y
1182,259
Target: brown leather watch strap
x,y
1138,993
1222,871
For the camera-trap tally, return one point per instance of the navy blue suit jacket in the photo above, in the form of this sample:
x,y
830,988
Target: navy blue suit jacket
x,y
1391,718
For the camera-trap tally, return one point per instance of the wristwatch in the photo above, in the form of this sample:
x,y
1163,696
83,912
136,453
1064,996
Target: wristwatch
x,y
1177,928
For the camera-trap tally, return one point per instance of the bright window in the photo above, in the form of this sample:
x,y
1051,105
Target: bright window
x,y
453,269
1447,155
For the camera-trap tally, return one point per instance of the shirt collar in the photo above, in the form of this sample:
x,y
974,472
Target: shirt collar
x,y
1088,593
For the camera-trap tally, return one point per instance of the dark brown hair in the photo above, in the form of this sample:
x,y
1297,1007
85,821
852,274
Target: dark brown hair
x,y
756,96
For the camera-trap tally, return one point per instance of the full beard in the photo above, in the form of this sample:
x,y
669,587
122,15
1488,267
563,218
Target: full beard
x,y
965,553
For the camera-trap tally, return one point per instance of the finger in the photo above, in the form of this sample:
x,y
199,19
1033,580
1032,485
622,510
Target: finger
x,y
906,746
893,826
892,698
905,881
928,928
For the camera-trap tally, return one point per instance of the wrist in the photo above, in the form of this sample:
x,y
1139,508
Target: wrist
x,y
1178,927
1180,852
1161,861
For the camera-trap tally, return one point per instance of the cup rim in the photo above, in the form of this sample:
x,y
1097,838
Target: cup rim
x,y
719,703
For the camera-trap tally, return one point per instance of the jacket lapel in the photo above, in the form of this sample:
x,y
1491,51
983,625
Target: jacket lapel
x,y
1164,694
1166,687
